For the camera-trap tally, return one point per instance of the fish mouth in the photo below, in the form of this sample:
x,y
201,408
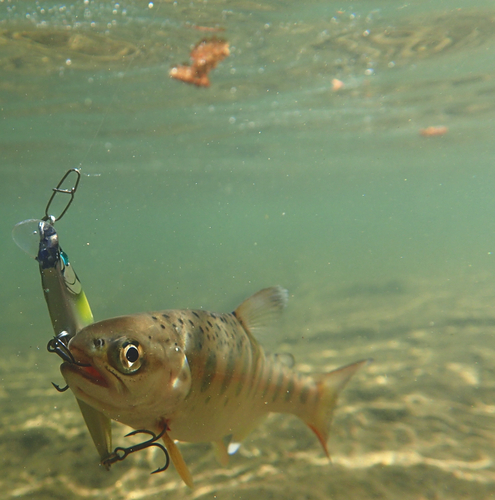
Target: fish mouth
x,y
88,372
84,369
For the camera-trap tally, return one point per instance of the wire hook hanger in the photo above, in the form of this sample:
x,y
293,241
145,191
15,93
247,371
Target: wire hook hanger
x,y
59,190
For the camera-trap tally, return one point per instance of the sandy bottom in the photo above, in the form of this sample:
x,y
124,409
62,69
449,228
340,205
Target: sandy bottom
x,y
418,423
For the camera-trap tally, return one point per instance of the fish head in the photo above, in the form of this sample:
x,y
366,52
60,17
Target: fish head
x,y
128,369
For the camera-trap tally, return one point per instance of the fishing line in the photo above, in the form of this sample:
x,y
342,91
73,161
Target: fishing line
x,y
139,46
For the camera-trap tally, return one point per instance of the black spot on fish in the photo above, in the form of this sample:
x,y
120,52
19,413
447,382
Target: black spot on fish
x,y
181,321
240,344
191,323
209,322
162,325
195,314
175,326
209,371
166,316
199,338
155,318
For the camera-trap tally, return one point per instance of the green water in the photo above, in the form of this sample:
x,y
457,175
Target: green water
x,y
199,197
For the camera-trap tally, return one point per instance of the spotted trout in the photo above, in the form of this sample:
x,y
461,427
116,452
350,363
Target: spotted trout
x,y
198,375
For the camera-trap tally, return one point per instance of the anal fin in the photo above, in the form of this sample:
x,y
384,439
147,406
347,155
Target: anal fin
x,y
221,453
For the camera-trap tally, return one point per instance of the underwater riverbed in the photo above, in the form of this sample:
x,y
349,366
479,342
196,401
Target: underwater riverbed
x,y
342,151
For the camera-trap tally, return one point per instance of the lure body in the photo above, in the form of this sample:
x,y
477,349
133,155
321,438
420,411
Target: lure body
x,y
69,312
67,303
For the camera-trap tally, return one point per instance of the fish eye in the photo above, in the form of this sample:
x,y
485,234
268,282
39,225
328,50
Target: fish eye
x,y
131,353
130,357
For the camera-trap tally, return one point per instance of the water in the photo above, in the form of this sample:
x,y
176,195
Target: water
x,y
199,197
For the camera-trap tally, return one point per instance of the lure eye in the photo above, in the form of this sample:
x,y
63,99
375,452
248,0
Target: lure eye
x,y
131,357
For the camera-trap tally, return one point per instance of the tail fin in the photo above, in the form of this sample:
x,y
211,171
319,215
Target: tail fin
x,y
329,388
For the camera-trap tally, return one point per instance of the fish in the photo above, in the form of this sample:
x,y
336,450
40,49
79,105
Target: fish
x,y
199,376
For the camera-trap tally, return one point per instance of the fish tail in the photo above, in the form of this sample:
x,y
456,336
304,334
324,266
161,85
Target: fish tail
x,y
329,387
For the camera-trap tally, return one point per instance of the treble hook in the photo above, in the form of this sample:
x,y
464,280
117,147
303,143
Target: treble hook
x,y
59,347
120,454
71,191
58,388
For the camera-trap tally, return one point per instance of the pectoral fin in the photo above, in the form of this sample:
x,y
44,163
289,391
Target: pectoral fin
x,y
178,461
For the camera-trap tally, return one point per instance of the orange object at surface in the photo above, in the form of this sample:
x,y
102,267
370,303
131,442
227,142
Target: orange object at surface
x,y
205,56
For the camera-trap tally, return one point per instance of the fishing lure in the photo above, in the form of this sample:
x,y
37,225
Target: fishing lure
x,y
68,308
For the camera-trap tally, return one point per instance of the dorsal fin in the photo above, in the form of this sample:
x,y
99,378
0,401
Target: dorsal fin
x,y
262,309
